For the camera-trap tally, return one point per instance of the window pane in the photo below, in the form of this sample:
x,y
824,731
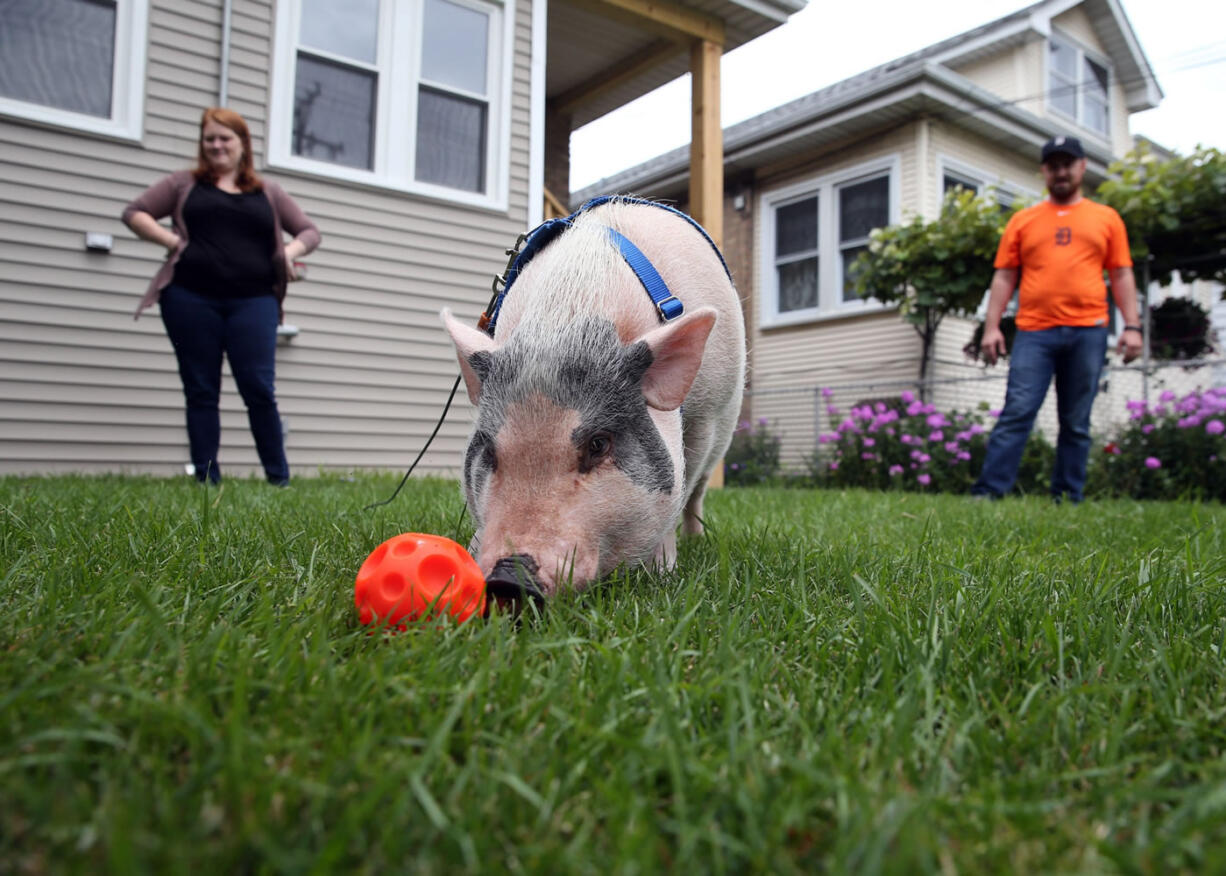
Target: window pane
x,y
798,285
455,46
953,182
1063,59
58,53
796,227
1095,114
451,141
1094,82
863,207
849,277
334,113
1094,97
342,27
1063,96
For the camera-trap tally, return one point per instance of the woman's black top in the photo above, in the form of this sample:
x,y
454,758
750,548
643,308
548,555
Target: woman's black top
x,y
230,244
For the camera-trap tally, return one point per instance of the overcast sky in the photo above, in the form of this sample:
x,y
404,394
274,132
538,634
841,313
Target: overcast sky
x,y
1185,41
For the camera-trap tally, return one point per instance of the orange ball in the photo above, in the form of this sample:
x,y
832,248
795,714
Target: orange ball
x,y
414,575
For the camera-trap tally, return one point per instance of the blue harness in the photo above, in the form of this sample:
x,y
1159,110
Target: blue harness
x,y
667,305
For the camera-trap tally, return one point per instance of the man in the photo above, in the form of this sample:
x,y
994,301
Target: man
x,y
1061,246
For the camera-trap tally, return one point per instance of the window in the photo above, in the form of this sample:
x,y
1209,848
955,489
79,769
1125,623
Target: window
x,y
404,94
1077,86
951,181
813,233
796,255
74,63
956,175
863,206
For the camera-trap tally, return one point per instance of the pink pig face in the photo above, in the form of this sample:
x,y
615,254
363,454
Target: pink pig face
x,y
575,464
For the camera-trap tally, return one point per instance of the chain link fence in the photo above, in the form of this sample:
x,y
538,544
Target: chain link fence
x,y
798,414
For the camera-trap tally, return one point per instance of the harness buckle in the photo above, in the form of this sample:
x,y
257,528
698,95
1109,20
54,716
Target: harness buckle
x,y
500,280
670,308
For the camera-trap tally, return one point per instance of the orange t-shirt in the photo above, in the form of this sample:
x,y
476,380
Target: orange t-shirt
x,y
1063,251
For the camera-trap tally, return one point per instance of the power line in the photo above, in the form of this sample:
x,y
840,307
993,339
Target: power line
x,y
1064,90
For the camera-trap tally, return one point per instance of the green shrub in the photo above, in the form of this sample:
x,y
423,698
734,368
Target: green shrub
x,y
1180,329
753,456
905,443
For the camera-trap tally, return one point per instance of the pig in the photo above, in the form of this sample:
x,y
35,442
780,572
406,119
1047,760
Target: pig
x,y
596,423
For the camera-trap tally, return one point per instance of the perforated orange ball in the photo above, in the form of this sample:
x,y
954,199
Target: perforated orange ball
x,y
413,576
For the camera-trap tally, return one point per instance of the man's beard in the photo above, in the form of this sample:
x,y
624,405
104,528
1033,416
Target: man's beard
x,y
1063,191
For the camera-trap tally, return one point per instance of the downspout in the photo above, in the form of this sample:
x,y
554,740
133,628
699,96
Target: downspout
x,y
223,89
536,114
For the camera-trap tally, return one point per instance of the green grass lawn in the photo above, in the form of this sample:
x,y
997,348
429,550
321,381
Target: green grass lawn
x,y
841,682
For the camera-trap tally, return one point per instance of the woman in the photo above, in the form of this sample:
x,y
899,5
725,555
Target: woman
x,y
223,283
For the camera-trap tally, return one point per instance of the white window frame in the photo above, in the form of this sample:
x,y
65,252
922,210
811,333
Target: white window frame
x,y
830,303
1006,192
1083,54
127,84
395,137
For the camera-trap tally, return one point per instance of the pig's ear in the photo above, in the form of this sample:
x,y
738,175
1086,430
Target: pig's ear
x,y
676,354
473,348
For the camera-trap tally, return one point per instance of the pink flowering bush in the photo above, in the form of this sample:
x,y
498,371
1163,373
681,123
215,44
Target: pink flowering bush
x,y
753,456
905,443
1172,448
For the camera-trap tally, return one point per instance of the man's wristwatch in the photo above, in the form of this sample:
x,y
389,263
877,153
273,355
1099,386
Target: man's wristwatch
x,y
1133,328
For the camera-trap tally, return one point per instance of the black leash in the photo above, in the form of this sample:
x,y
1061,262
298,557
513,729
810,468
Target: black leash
x,y
486,325
424,448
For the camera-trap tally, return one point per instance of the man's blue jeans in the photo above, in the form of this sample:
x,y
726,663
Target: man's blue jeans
x,y
1075,356
245,330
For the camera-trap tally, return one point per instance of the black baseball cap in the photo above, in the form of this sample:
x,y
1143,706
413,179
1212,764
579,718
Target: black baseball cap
x,y
1062,145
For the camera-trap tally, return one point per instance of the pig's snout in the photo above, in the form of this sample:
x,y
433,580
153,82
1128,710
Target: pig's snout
x,y
513,583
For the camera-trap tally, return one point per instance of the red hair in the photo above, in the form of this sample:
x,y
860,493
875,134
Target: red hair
x,y
246,179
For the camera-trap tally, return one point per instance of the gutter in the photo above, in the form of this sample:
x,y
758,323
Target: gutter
x,y
223,89
931,82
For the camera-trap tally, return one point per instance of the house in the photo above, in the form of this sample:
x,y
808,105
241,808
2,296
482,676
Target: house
x,y
807,181
422,136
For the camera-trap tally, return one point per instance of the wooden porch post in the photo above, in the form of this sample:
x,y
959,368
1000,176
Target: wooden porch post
x,y
707,156
706,140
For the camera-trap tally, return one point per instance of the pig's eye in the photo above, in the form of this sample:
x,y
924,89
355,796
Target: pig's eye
x,y
597,448
599,444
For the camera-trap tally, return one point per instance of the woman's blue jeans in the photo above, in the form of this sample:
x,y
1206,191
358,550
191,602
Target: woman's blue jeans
x,y
202,329
1074,355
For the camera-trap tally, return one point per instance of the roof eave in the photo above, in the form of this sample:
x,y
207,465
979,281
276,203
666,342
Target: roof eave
x,y
929,88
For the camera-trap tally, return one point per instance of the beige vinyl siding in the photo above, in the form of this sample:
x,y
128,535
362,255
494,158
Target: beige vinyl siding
x,y
1014,75
85,388
960,148
788,364
1076,24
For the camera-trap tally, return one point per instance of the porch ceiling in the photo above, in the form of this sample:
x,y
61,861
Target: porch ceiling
x,y
598,59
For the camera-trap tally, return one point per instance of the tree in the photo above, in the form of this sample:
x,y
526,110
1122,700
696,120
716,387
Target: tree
x,y
933,269
1175,212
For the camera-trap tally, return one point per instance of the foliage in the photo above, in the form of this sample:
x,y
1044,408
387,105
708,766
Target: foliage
x,y
828,682
933,269
1179,329
907,444
753,455
1173,449
972,350
1174,210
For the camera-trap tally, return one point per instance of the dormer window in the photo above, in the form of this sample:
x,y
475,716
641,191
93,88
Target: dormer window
x,y
1077,86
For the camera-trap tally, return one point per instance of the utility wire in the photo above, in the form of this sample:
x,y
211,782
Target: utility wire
x,y
1063,90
